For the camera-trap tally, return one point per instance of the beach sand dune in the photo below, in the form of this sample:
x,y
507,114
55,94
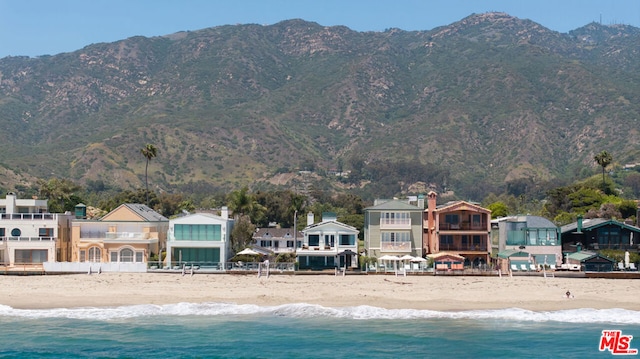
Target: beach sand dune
x,y
386,291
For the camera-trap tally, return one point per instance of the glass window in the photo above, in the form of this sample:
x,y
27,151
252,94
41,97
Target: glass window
x,y
16,232
94,255
126,255
2,233
114,256
45,232
197,232
83,255
139,257
314,239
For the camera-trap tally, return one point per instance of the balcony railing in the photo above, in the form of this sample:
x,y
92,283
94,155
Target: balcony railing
x,y
28,239
395,246
466,247
127,235
28,216
395,224
463,226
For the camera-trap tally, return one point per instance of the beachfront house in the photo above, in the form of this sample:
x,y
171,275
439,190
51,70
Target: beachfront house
x,y
30,235
328,244
277,240
201,239
129,234
528,242
393,228
599,233
458,227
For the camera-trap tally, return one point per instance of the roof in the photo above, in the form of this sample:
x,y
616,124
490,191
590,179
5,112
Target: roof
x,y
461,205
145,212
267,233
339,224
127,212
593,223
512,253
586,255
444,255
395,205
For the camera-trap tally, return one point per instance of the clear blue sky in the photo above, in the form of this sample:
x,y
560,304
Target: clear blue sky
x,y
49,27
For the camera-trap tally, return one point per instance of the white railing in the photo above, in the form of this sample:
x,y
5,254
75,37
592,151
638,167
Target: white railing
x,y
28,239
125,235
28,216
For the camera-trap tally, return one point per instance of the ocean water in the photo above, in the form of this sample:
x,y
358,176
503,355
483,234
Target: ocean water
x,y
222,330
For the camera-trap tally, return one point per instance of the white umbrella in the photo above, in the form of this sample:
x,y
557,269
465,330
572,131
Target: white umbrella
x,y
626,259
418,259
248,251
406,257
387,257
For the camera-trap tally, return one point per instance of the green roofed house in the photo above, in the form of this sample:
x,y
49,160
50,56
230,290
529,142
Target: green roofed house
x,y
590,261
599,233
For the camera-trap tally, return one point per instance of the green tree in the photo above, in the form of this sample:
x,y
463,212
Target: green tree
x,y
603,159
242,233
498,209
60,193
243,203
149,151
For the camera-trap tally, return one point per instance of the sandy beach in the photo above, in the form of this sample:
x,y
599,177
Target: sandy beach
x,y
386,291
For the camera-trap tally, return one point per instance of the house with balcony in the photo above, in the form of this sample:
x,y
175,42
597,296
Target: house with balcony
x,y
30,235
527,240
458,227
328,244
599,233
394,228
202,239
131,233
277,240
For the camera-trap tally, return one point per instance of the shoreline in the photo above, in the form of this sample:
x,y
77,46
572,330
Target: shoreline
x,y
439,293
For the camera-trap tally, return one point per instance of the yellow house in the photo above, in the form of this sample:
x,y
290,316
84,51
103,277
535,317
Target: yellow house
x,y
131,233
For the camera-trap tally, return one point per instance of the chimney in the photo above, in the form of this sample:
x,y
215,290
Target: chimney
x,y
224,212
421,201
11,203
579,230
310,219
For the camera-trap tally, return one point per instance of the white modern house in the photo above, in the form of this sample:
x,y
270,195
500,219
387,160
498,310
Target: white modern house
x,y
328,244
200,238
29,235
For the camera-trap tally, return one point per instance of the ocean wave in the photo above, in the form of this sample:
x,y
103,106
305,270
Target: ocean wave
x,y
303,310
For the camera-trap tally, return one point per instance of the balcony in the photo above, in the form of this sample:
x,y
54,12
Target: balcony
x,y
464,247
399,223
464,226
28,216
28,239
395,247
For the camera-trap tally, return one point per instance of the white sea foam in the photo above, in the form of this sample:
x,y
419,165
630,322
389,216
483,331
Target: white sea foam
x,y
303,310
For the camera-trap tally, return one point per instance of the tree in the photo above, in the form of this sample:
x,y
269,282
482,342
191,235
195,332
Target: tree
x,y
149,151
60,193
242,233
603,159
243,203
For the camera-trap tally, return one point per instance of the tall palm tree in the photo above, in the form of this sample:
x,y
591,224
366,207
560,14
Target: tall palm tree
x,y
149,151
603,159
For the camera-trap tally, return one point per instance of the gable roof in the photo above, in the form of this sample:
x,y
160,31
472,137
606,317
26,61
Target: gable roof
x,y
335,223
137,212
593,223
461,206
395,205
200,218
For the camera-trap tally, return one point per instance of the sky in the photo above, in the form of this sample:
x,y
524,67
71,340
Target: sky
x,y
49,27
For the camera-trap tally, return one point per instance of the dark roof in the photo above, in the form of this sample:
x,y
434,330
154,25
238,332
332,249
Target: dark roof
x,y
276,233
593,223
145,212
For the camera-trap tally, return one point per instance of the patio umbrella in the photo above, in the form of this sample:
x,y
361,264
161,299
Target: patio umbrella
x,y
418,259
248,251
406,257
626,259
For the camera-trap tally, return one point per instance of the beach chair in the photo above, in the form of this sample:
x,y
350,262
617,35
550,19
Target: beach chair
x,y
632,266
552,267
533,267
523,267
514,268
620,266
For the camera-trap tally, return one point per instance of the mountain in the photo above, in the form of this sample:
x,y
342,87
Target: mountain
x,y
470,106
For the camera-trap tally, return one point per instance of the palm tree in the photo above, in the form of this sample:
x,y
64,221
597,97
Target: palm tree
x,y
149,151
603,159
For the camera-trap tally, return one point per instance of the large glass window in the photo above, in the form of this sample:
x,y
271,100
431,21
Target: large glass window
x,y
126,255
197,232
347,239
28,256
395,218
314,239
2,232
94,255
45,232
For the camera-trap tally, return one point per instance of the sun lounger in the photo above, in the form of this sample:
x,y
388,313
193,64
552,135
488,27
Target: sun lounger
x,y
620,266
632,266
532,267
523,267
552,266
514,268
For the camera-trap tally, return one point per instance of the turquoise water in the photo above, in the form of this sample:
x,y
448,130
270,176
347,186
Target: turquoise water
x,y
219,330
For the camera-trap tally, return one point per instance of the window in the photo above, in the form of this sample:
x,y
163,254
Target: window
x,y
2,232
289,244
16,232
126,255
395,237
314,239
28,256
347,239
330,240
197,232
83,255
395,218
94,255
45,232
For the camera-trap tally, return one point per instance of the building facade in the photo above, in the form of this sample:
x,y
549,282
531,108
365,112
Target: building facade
x,y
30,235
200,238
328,244
131,233
393,227
459,227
